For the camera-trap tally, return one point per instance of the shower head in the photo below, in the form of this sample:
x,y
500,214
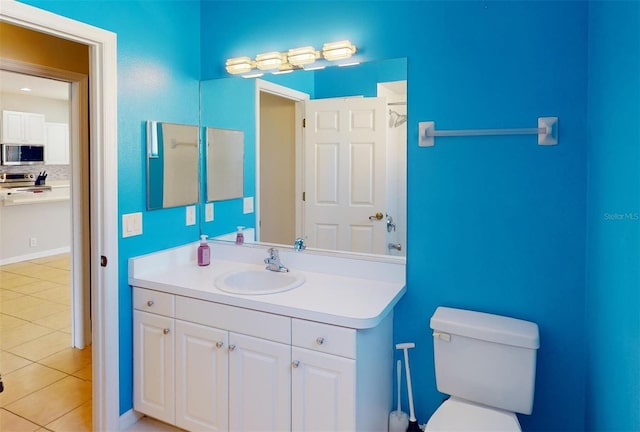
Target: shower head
x,y
396,119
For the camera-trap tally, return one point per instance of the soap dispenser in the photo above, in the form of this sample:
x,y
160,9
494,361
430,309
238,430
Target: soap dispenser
x,y
204,253
240,236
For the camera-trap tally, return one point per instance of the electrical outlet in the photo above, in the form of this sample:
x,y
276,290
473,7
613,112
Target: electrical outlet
x,y
191,215
33,242
247,205
208,212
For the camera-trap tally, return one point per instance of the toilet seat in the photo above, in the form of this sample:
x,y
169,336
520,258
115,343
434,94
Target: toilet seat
x,y
460,415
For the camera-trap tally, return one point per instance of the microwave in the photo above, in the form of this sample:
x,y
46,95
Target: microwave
x,y
22,154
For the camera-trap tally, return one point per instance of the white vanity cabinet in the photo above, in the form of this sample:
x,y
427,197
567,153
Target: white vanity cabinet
x,y
153,355
237,369
201,377
22,127
154,368
340,376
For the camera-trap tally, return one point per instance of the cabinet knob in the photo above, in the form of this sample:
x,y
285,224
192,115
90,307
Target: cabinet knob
x,y
219,344
232,347
319,340
295,363
165,331
150,303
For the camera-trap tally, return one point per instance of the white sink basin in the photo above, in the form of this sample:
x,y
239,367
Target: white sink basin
x,y
252,282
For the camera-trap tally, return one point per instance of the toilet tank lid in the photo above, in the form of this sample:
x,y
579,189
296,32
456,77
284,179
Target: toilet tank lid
x,y
484,326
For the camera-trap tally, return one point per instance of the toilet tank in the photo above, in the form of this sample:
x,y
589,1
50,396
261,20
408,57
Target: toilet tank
x,y
485,358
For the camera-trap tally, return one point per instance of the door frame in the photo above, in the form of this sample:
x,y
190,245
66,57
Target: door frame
x,y
103,191
298,97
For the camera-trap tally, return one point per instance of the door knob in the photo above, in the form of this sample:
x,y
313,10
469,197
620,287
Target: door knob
x,y
377,216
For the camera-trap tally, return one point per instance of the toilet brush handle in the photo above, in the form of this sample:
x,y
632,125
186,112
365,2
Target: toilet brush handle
x,y
405,347
412,416
399,376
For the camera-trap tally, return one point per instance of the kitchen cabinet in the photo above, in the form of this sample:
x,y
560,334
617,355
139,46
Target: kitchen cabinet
x,y
237,369
56,150
22,127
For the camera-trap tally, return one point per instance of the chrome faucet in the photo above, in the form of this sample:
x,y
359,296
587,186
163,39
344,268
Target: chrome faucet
x,y
299,245
273,261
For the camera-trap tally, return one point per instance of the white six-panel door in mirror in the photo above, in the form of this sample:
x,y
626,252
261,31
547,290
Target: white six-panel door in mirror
x,y
345,148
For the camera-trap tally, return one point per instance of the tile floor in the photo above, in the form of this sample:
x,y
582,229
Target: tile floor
x,y
47,384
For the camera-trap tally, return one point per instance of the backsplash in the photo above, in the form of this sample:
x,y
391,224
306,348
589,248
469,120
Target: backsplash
x,y
55,172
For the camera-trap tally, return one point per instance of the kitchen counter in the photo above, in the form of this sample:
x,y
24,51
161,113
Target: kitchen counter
x,y
349,290
60,191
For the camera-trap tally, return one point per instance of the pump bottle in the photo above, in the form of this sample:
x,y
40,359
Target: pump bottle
x,y
204,253
240,236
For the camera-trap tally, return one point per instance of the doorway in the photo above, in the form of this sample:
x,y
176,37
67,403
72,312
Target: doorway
x,y
25,236
103,232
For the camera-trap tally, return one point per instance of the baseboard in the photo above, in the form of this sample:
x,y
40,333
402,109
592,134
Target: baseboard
x,y
128,419
35,255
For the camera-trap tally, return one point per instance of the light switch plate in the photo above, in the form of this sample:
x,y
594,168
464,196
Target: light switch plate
x,y
131,224
247,205
208,212
191,215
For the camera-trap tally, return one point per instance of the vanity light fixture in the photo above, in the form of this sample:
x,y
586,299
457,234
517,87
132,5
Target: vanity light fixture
x,y
340,50
293,59
239,65
270,60
302,56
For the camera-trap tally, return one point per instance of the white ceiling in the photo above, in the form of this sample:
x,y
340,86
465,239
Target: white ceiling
x,y
11,82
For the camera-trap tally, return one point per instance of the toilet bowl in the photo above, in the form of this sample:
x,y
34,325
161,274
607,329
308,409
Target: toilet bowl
x,y
460,415
487,364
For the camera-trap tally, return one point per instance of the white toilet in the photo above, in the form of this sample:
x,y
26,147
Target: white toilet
x,y
487,364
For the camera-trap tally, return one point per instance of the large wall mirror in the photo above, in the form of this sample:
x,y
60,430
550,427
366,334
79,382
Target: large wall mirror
x,y
172,165
324,156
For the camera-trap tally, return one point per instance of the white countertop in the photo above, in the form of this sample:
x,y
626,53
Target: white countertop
x,y
348,290
59,192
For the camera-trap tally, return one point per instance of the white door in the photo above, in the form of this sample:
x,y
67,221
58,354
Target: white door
x,y
322,392
153,366
201,377
259,385
345,174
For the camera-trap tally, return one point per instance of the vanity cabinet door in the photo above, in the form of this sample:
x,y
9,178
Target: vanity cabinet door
x,y
153,365
323,392
259,384
201,377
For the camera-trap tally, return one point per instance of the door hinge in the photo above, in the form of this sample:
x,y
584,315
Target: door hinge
x,y
304,122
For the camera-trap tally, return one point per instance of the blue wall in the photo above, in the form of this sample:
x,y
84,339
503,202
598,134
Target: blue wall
x,y
495,224
158,76
613,254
